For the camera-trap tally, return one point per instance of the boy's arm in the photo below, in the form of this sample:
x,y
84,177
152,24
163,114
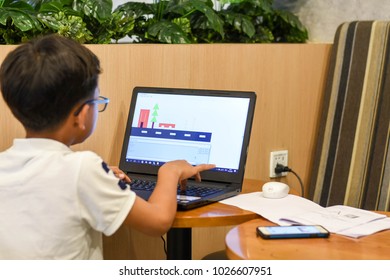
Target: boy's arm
x,y
155,216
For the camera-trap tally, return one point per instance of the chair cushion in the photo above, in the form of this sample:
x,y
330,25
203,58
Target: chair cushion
x,y
351,163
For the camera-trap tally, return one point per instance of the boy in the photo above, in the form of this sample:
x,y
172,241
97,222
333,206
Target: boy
x,y
55,203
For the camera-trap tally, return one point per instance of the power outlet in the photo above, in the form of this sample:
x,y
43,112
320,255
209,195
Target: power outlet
x,y
276,157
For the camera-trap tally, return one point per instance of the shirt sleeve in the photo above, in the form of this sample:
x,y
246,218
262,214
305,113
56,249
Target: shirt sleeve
x,y
105,201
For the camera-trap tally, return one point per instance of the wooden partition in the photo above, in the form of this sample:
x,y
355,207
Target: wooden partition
x,y
288,80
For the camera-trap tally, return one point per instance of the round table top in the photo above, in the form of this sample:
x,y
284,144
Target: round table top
x,y
217,214
243,243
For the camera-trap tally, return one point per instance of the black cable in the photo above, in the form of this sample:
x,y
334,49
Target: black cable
x,y
165,246
300,181
281,168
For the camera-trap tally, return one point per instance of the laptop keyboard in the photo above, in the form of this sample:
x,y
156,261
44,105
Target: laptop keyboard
x,y
191,190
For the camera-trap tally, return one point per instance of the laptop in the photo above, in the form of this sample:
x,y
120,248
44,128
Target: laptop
x,y
200,126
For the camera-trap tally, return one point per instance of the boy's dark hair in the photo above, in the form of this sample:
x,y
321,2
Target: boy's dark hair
x,y
42,80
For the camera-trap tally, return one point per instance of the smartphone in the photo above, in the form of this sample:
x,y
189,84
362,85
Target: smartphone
x,y
279,232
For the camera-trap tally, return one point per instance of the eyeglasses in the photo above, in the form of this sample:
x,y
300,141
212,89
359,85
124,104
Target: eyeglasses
x,y
101,101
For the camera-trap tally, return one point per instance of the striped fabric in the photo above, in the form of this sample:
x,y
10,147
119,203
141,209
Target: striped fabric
x,y
352,159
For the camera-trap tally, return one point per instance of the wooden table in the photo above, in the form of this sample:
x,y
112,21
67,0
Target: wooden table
x,y
179,237
242,243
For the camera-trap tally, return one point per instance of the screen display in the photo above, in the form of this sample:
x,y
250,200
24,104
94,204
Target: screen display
x,y
298,231
199,129
293,230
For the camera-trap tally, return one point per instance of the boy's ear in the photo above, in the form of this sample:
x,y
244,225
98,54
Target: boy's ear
x,y
81,118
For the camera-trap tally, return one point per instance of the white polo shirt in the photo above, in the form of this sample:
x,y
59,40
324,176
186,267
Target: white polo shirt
x,y
56,203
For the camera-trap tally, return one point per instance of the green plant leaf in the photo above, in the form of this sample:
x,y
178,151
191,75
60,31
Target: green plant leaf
x,y
168,32
57,7
265,5
120,25
291,19
98,9
229,1
184,24
135,9
240,22
22,20
215,21
263,35
22,5
67,25
54,7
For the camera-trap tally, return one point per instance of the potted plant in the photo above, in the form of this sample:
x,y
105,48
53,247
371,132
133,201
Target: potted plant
x,y
174,21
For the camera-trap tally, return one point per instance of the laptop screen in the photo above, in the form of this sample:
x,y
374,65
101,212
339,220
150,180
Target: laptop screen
x,y
196,125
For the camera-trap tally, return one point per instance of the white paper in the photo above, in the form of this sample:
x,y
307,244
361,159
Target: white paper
x,y
292,209
273,209
336,218
367,229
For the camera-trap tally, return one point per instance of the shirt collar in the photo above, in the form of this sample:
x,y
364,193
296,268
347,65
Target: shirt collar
x,y
40,144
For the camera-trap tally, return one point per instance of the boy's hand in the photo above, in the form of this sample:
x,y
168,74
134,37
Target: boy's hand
x,y
186,171
120,174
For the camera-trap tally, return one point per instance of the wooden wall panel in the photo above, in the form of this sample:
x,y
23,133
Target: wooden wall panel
x,y
288,79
